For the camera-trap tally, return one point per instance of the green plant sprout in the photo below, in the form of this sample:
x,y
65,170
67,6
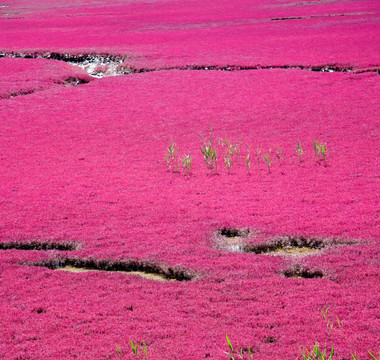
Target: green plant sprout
x,y
237,149
279,155
316,353
320,151
135,349
316,150
373,356
228,155
299,151
323,152
258,154
143,354
268,160
209,153
171,157
118,351
186,164
228,163
231,353
232,151
330,323
247,160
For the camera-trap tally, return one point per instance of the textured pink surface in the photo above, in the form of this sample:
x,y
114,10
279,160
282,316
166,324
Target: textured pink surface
x,y
86,164
26,76
218,32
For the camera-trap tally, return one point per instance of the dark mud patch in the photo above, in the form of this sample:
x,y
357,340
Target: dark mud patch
x,y
148,270
298,271
40,245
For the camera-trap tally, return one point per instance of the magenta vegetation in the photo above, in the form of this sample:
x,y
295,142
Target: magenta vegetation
x,y
279,257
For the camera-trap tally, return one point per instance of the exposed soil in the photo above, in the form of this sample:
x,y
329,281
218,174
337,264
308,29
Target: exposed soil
x,y
145,275
295,245
295,251
145,269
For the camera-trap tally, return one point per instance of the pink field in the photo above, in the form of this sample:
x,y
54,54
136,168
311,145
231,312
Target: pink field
x,y
84,182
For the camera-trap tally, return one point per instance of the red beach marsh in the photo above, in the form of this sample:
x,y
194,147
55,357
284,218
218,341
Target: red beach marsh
x,y
101,242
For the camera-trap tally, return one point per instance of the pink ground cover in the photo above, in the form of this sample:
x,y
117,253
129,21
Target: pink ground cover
x,y
219,32
86,165
26,76
94,172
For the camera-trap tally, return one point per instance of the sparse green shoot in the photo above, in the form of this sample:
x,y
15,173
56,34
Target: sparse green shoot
x,y
231,152
316,353
299,151
240,351
143,354
186,164
258,154
373,356
172,157
320,152
209,153
118,351
268,159
316,150
279,155
231,353
247,160
323,149
228,163
135,347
